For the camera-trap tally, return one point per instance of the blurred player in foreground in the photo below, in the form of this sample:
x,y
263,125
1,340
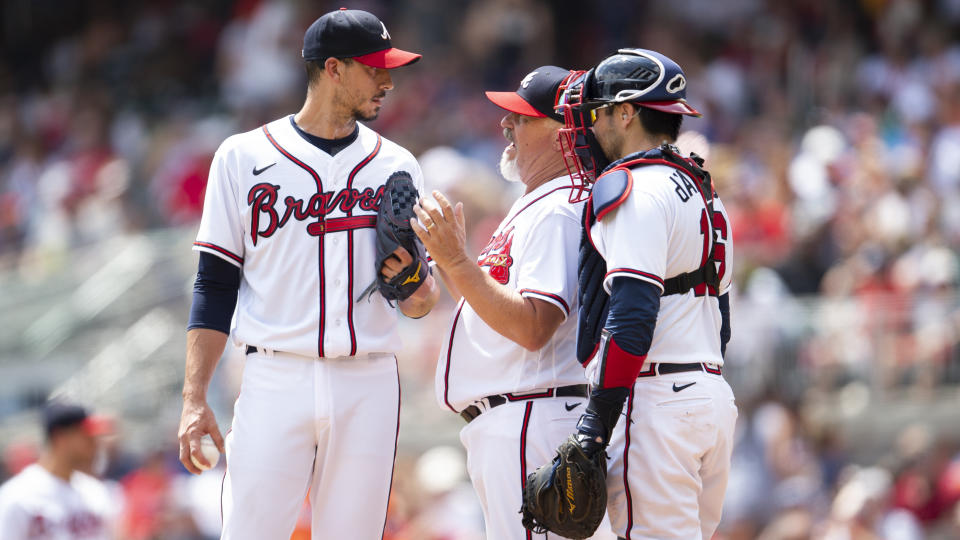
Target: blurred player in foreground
x,y
58,498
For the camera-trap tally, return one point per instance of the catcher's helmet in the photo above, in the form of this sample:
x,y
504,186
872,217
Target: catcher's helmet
x,y
640,76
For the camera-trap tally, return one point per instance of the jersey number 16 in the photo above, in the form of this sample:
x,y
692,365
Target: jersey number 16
x,y
719,251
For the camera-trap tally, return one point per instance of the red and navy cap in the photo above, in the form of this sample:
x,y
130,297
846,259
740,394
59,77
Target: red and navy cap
x,y
537,94
59,415
357,34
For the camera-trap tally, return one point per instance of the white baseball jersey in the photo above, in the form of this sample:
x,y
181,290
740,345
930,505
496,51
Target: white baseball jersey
x,y
299,223
36,505
533,251
662,230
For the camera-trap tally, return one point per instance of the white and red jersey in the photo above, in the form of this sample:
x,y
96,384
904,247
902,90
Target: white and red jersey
x,y
36,505
533,251
660,231
299,223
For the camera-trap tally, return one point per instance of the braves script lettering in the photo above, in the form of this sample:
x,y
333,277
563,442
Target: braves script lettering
x,y
496,256
265,217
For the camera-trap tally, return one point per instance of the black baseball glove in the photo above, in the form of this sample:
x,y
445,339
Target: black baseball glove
x,y
567,496
393,230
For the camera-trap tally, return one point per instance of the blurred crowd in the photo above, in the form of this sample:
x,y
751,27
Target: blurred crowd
x,y
793,479
832,130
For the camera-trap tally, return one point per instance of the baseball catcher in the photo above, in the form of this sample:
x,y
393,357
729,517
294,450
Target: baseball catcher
x,y
393,231
653,308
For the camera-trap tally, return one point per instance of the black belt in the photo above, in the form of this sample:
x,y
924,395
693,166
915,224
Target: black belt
x,y
574,390
665,369
251,349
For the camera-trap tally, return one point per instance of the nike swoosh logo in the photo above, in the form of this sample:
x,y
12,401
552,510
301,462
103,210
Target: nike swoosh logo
x,y
684,387
257,171
571,407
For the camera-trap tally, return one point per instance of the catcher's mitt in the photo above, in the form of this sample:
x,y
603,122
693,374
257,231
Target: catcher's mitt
x,y
393,229
568,496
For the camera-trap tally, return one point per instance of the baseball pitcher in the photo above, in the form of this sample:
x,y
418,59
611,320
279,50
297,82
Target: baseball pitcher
x,y
290,237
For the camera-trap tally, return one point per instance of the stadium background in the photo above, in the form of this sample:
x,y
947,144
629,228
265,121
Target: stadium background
x,y
833,131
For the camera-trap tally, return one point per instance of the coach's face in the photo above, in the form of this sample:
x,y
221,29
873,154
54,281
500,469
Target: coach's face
x,y
363,89
534,146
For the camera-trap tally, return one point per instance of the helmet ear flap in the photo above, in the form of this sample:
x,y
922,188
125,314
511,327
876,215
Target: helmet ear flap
x,y
590,91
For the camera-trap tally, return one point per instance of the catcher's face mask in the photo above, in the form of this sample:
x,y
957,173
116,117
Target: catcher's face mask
x,y
581,151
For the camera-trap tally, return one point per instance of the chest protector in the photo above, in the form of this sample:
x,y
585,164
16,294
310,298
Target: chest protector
x,y
609,191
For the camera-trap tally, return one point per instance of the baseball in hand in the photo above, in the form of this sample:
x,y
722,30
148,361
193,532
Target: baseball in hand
x,y
209,450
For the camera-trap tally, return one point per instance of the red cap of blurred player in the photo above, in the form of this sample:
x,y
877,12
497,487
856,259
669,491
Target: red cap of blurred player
x,y
62,415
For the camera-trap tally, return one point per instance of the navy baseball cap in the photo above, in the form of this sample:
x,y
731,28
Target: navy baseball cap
x,y
60,414
537,94
352,33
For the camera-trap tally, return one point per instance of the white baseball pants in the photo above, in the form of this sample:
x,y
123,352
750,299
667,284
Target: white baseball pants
x,y
667,473
324,425
504,445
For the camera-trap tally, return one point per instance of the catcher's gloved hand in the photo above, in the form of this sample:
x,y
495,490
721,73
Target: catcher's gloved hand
x,y
599,417
393,230
567,496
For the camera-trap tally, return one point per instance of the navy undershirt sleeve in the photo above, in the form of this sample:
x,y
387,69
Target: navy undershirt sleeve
x,y
634,305
724,322
214,294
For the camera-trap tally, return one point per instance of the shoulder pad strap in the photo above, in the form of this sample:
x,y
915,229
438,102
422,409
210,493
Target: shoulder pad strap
x,y
610,190
667,154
